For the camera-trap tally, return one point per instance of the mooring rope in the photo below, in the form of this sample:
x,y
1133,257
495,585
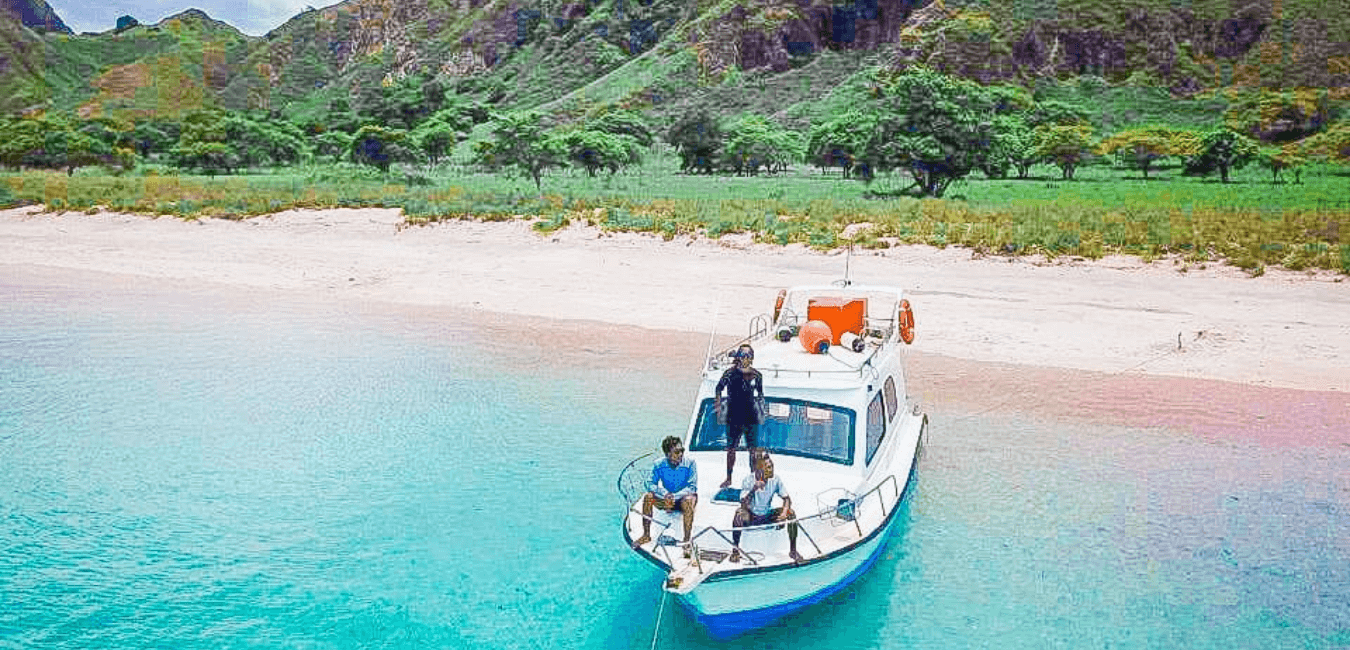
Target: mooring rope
x,y
661,610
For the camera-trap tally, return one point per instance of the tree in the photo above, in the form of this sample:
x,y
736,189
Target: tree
x,y
203,143
1224,149
433,94
210,157
22,141
622,122
841,140
521,141
753,142
1019,142
1010,100
438,134
937,127
1065,147
259,140
56,142
396,104
334,145
112,132
150,138
82,149
1056,113
698,138
1013,144
1140,148
435,139
594,150
341,117
380,147
1278,159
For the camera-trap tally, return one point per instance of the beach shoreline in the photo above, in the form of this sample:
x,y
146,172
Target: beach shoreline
x,y
1116,316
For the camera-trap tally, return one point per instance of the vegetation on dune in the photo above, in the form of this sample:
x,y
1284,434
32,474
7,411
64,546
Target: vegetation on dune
x,y
1248,222
665,127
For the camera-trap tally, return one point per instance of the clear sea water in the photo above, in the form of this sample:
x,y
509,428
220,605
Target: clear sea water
x,y
188,469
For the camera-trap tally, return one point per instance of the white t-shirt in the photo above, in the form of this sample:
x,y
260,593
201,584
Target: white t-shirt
x,y
762,501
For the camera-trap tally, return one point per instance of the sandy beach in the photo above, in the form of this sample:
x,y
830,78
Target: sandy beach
x,y
1281,338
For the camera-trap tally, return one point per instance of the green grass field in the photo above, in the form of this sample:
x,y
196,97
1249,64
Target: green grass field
x,y
1251,222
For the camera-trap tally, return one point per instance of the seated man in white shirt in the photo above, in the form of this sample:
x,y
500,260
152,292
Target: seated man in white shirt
x,y
756,509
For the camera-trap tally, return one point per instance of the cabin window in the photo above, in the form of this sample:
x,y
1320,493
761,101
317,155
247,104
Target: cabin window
x,y
793,428
892,401
876,426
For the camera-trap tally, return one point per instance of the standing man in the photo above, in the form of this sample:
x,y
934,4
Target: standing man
x,y
756,509
743,385
673,486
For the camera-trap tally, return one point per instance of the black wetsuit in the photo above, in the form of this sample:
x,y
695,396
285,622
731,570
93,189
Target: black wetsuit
x,y
742,418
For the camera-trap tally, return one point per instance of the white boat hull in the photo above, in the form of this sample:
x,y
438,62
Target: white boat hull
x,y
731,604
734,602
840,430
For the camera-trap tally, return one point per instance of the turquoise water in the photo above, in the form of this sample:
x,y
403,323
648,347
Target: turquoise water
x,y
189,469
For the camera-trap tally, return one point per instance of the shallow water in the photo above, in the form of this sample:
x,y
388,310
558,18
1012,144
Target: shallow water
x,y
202,469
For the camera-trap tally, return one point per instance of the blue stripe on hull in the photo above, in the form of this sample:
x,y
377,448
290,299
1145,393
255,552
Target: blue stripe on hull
x,y
726,626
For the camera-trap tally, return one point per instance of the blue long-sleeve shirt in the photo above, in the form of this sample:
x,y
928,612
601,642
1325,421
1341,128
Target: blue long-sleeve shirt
x,y
679,481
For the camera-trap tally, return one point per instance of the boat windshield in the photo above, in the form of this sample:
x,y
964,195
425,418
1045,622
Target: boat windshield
x,y
793,427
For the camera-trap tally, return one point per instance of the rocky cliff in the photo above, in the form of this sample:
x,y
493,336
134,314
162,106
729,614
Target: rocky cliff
x,y
35,15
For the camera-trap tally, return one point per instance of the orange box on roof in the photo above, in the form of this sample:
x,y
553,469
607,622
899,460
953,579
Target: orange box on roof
x,y
841,314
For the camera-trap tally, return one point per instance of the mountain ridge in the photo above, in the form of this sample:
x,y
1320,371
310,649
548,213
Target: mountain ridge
x,y
654,54
36,15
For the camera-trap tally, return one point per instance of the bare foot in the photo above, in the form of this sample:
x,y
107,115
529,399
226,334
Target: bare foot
x,y
642,540
797,557
735,555
726,484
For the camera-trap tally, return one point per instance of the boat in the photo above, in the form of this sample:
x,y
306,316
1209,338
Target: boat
x,y
845,441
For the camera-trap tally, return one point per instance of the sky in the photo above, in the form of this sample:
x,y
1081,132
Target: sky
x,y
252,17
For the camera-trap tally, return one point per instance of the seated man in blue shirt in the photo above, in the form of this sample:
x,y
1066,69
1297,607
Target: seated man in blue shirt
x,y
672,487
756,509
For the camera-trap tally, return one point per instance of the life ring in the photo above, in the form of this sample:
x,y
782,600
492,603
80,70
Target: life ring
x,y
906,322
778,304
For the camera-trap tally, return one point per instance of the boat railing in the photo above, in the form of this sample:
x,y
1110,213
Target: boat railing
x,y
874,330
631,491
632,482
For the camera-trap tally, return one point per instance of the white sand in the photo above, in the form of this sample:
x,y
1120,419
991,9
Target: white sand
x,y
1117,315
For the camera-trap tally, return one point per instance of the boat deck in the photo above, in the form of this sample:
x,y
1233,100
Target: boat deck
x,y
824,529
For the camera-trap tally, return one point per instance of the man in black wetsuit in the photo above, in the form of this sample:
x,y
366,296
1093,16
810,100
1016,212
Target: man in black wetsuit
x,y
742,384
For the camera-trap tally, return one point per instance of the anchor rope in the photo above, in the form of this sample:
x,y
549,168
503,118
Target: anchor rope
x,y
661,610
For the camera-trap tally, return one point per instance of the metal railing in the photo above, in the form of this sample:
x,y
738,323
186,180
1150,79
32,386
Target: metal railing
x,y
632,499
878,328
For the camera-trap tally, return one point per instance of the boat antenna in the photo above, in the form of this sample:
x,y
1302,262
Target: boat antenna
x,y
848,257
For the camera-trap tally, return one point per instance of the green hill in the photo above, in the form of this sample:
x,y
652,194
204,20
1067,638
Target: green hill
x,y
1144,60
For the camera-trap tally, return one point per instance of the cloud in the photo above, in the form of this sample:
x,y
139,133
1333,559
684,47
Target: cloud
x,y
270,14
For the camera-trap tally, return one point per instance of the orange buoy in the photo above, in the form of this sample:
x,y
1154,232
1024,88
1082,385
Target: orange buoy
x,y
815,337
778,304
906,322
